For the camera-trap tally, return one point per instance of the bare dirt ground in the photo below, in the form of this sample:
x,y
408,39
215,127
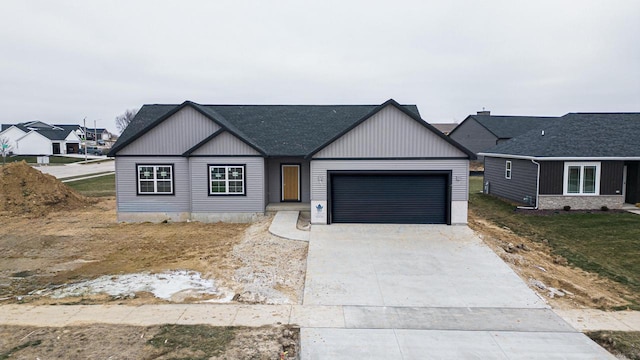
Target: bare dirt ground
x,y
74,245
563,286
51,236
154,342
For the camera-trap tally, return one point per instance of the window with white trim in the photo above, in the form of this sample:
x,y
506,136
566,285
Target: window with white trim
x,y
507,169
581,178
226,180
155,179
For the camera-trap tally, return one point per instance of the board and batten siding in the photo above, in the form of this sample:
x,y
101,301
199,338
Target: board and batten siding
x,y
389,133
128,199
225,144
611,177
474,136
459,175
274,183
174,135
552,177
523,180
251,202
551,174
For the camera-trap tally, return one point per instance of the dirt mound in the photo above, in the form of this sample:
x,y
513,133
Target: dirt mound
x,y
25,190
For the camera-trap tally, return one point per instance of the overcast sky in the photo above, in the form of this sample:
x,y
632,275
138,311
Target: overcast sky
x,y
62,61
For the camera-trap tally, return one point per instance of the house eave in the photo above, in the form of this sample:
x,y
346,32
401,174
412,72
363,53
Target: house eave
x,y
563,158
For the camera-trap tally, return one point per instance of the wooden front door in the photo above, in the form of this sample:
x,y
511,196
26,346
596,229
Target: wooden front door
x,y
290,182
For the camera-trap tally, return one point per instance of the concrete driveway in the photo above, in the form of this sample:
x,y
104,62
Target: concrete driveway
x,y
427,292
77,169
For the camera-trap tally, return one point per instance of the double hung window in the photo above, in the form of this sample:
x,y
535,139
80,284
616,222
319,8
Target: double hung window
x,y
155,179
226,180
582,178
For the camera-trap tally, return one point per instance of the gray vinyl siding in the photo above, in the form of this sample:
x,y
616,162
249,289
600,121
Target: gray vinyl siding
x,y
522,183
174,135
275,178
252,201
127,199
459,168
474,136
389,133
225,144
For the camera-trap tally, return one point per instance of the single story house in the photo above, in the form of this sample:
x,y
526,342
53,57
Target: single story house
x,y
582,160
39,138
483,131
345,163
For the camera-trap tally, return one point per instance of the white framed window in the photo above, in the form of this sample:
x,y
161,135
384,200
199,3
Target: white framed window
x,y
155,179
226,180
507,169
581,178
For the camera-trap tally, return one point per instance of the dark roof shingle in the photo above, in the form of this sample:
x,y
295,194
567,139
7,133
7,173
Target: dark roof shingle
x,y
506,127
274,130
587,135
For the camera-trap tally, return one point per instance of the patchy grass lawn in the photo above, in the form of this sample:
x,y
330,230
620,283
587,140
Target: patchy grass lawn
x,y
606,243
95,187
52,159
619,343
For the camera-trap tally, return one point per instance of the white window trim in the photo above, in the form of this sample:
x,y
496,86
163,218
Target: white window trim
x,y
565,178
507,169
155,179
226,180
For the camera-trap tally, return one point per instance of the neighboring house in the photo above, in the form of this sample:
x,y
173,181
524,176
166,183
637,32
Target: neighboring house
x,y
38,138
346,163
582,160
445,128
483,131
102,134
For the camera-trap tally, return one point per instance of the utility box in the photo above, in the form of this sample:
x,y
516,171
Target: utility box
x,y
43,160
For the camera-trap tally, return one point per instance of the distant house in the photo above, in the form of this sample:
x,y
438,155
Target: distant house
x,y
483,131
344,163
445,128
94,134
39,138
582,160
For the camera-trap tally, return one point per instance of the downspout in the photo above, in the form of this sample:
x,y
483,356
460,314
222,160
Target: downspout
x,y
537,184
537,189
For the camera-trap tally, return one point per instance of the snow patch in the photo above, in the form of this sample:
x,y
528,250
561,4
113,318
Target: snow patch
x,y
169,285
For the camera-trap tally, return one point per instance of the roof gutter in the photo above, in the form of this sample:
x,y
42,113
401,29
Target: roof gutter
x,y
561,158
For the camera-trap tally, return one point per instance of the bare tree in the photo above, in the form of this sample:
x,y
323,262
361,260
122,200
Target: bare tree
x,y
123,120
5,148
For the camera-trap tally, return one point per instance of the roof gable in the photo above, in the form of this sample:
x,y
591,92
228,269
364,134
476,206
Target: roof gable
x,y
221,143
578,135
176,133
390,132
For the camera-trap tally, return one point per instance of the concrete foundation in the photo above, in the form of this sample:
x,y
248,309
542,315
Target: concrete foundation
x,y
185,216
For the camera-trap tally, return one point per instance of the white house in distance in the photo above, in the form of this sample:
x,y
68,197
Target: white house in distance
x,y
39,138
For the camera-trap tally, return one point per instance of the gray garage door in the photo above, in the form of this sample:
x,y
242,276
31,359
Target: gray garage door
x,y
389,198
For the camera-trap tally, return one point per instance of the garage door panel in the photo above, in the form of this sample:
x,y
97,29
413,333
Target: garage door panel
x,y
399,199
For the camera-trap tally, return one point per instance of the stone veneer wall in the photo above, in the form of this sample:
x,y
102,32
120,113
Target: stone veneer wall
x,y
580,202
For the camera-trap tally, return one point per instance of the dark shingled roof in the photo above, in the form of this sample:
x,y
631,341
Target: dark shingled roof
x,y
273,130
507,127
51,132
585,135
